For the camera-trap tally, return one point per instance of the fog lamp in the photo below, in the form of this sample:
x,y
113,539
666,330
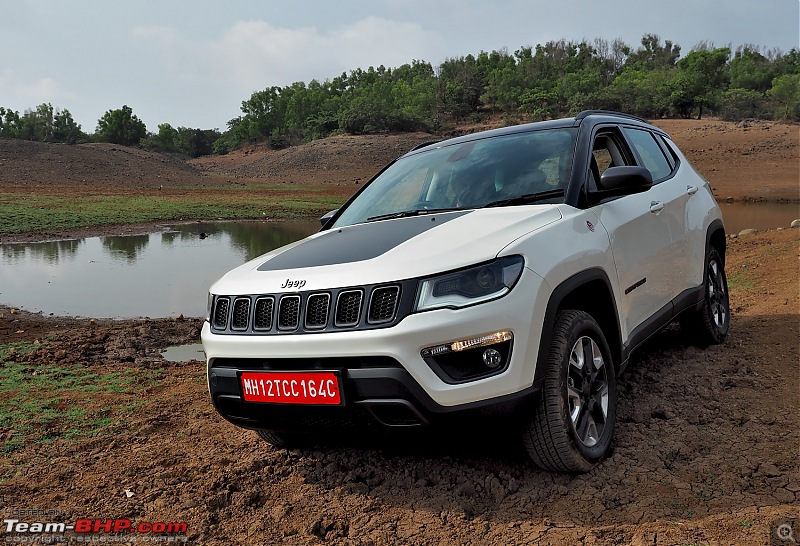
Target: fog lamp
x,y
470,358
492,358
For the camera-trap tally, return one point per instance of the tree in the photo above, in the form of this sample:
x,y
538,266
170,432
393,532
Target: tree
x,y
37,125
642,92
121,127
612,56
65,129
201,141
461,84
652,55
168,139
738,103
749,69
704,77
9,123
786,92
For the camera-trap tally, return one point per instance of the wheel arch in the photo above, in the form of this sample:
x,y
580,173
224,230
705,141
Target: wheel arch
x,y
715,237
590,291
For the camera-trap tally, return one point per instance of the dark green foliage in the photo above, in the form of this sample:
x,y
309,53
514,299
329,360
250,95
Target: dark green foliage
x,y
704,77
121,127
751,70
44,124
191,142
737,104
555,79
785,91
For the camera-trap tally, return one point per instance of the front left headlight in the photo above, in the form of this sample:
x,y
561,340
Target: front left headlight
x,y
209,305
466,287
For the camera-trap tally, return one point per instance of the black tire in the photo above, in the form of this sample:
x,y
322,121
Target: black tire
x,y
282,439
710,322
573,427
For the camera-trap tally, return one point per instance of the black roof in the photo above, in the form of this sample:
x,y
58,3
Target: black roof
x,y
603,115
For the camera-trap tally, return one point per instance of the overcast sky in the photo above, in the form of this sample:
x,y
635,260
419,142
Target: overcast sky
x,y
191,63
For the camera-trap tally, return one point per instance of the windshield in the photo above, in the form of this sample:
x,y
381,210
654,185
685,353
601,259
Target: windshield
x,y
469,175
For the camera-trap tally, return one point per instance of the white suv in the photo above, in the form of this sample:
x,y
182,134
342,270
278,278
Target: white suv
x,y
506,274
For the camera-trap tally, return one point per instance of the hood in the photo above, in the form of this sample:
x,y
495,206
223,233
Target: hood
x,y
387,250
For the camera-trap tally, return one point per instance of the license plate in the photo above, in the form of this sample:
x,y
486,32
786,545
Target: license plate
x,y
304,388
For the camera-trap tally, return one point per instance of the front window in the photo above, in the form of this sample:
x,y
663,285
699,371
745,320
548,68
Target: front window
x,y
650,152
510,169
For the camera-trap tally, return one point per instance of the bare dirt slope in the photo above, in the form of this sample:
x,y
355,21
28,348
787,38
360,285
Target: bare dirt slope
x,y
338,160
748,160
54,167
706,449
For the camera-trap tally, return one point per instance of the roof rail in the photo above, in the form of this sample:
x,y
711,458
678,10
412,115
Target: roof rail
x,y
610,113
423,144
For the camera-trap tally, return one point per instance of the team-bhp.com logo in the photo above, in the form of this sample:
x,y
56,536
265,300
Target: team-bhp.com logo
x,y
84,527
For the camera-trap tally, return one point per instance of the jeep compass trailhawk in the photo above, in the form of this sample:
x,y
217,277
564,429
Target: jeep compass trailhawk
x,y
508,273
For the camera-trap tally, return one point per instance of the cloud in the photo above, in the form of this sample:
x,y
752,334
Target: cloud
x,y
256,54
16,90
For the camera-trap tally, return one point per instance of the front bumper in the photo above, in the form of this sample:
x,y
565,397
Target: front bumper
x,y
384,377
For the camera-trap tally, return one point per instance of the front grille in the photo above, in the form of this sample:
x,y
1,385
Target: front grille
x,y
383,304
336,309
241,314
221,313
262,318
348,308
317,311
289,313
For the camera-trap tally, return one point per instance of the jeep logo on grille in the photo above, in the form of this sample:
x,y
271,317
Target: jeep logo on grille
x,y
293,284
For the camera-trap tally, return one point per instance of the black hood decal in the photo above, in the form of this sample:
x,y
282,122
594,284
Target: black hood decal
x,y
356,243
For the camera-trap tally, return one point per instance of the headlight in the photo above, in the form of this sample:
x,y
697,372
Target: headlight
x,y
469,286
209,305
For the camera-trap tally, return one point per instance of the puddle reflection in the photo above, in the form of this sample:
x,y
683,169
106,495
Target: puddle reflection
x,y
156,275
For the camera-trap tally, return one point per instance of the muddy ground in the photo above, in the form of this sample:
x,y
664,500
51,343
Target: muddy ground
x,y
706,450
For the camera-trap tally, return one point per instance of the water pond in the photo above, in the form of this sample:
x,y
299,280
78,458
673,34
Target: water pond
x,y
155,275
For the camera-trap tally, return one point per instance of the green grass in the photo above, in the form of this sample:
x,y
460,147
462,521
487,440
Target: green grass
x,y
46,403
21,213
741,280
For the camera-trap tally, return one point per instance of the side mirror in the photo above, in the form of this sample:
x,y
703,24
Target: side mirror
x,y
327,216
618,181
633,179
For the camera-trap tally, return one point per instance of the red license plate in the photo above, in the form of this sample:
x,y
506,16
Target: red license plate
x,y
292,387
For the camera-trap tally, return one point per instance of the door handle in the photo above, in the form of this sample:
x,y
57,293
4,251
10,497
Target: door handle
x,y
656,206
691,190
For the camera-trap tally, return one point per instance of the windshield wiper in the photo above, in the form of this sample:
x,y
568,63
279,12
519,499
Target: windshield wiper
x,y
406,213
526,199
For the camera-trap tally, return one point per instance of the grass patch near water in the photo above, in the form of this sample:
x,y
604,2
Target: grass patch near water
x,y
45,403
20,213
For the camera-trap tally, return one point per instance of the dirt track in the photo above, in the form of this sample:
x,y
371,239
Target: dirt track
x,y
706,447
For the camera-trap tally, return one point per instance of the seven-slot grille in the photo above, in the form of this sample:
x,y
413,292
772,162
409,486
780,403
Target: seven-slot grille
x,y
307,312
